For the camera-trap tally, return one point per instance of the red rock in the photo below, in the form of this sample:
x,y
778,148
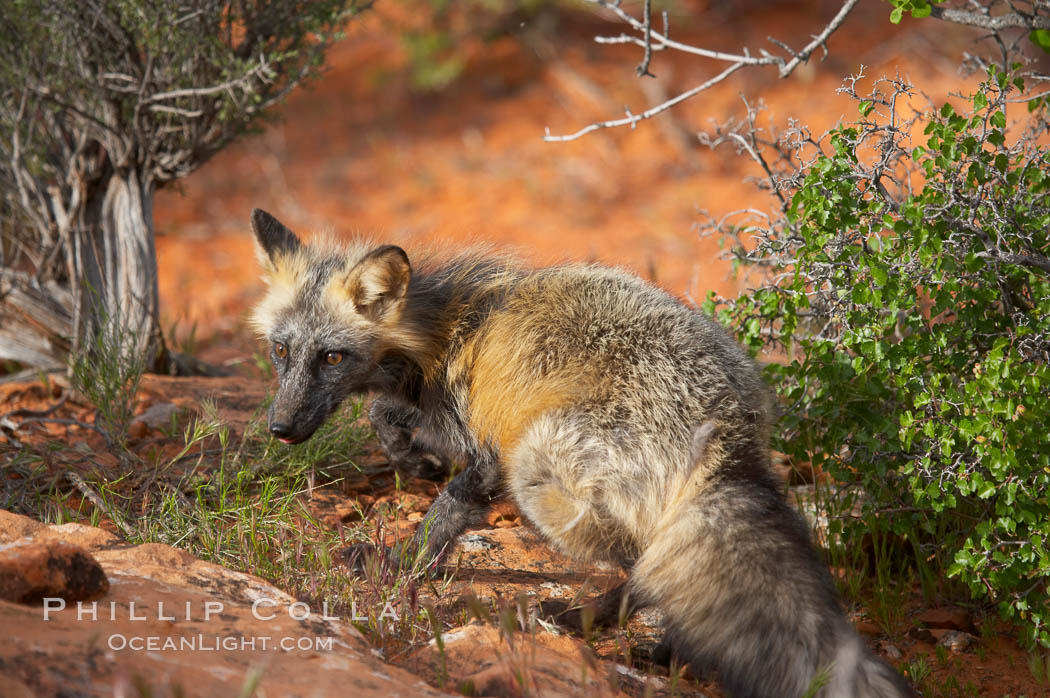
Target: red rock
x,y
138,430
31,571
950,617
89,648
14,526
541,664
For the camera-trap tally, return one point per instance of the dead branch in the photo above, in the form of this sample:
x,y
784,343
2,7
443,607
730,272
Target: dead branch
x,y
652,41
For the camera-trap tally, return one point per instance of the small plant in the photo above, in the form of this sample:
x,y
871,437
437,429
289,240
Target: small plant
x,y
1039,665
942,655
439,641
918,670
107,372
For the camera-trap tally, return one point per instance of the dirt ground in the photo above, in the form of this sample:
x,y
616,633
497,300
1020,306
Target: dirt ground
x,y
361,153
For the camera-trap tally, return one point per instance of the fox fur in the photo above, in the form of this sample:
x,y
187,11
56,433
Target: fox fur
x,y
627,428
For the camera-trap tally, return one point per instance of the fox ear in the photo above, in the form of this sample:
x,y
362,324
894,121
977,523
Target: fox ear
x,y
273,238
378,283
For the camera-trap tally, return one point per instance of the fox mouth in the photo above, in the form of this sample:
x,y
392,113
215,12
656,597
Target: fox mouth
x,y
293,439
287,436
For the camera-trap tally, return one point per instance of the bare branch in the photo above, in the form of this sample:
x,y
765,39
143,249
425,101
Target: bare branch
x,y
647,16
820,39
652,41
1035,261
632,119
263,71
1014,20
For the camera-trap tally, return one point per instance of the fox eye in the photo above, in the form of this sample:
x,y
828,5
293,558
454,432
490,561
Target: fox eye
x,y
333,357
280,350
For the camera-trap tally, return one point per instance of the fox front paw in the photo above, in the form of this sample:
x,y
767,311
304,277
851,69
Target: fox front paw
x,y
422,464
360,557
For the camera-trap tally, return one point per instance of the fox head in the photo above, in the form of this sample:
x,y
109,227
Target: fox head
x,y
329,316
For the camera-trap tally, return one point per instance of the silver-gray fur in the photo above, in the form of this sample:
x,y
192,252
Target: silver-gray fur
x,y
626,426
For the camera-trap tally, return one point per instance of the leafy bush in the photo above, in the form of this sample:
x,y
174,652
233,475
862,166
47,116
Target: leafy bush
x,y
910,290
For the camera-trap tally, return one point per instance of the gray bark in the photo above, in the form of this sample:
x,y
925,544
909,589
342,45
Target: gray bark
x,y
111,264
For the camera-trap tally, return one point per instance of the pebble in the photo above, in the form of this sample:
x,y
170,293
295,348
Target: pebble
x,y
956,641
890,651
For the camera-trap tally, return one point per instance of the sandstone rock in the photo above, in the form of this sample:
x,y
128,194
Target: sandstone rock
x,y
489,663
138,430
31,571
949,617
87,537
14,526
922,635
172,623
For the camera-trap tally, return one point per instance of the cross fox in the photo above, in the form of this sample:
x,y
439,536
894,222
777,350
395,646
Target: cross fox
x,y
625,426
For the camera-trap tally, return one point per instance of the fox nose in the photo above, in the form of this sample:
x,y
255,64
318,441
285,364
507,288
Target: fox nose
x,y
281,430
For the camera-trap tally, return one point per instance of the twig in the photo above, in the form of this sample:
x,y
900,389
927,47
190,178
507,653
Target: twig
x,y
263,71
68,422
99,503
31,373
1014,20
820,39
1036,261
762,162
633,119
663,41
37,413
647,18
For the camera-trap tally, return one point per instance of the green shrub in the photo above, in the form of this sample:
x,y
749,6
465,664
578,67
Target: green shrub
x,y
909,288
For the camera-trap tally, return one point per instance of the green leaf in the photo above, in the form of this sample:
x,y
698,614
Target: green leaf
x,y
896,15
920,11
1041,38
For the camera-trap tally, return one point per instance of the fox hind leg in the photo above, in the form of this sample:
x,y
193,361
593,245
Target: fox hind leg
x,y
556,475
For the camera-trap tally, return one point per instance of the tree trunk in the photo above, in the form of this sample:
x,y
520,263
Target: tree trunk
x,y
117,263
112,276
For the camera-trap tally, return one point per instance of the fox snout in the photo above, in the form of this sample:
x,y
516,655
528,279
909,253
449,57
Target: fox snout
x,y
299,409
292,424
283,432
283,428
